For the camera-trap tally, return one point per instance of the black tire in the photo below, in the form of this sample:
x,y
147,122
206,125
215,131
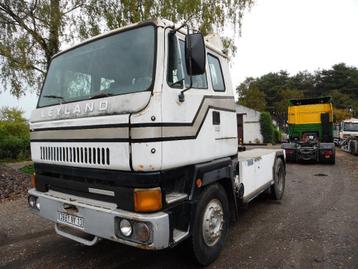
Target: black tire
x,y
202,252
278,188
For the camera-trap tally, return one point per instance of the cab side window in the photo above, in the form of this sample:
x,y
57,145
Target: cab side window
x,y
216,74
177,73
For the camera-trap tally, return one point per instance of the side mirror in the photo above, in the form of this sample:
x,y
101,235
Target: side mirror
x,y
195,56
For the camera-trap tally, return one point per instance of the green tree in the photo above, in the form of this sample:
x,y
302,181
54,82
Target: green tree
x,y
14,134
31,32
251,96
281,106
340,82
340,77
266,127
303,81
12,114
341,114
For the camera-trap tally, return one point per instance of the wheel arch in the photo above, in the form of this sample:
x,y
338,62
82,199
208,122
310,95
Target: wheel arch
x,y
218,172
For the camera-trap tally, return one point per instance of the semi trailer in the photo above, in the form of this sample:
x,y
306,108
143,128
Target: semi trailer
x,y
134,140
348,136
310,130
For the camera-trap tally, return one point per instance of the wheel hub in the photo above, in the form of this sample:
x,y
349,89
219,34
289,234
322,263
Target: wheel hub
x,y
213,221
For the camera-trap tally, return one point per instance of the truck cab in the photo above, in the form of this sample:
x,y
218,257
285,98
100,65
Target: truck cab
x,y
134,140
310,128
348,136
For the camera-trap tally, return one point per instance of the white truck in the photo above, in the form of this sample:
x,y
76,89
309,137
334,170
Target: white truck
x,y
348,136
134,139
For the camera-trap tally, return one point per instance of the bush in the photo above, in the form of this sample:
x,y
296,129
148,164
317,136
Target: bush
x,y
14,140
266,127
277,136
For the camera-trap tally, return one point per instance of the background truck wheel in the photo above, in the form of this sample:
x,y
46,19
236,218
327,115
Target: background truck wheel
x,y
210,225
278,187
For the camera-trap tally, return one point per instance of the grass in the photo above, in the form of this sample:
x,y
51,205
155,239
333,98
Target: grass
x,y
28,169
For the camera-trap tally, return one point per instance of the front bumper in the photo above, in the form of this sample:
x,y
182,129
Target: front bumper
x,y
100,218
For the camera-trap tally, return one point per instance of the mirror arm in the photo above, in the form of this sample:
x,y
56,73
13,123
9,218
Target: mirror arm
x,y
181,94
177,29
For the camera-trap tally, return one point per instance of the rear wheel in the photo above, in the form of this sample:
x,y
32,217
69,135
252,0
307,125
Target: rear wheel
x,y
278,188
210,225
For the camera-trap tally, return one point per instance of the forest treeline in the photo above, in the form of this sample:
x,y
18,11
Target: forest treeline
x,y
272,91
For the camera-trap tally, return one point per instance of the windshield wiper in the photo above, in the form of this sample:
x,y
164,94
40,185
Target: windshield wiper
x,y
100,95
176,82
54,96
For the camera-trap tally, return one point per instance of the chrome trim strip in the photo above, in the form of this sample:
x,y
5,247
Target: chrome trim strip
x,y
102,192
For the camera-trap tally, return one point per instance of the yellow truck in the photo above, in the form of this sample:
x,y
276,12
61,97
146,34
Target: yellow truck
x,y
310,129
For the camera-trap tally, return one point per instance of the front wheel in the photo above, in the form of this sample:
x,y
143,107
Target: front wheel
x,y
210,225
279,177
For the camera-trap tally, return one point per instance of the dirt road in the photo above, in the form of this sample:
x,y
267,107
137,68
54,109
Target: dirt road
x,y
314,226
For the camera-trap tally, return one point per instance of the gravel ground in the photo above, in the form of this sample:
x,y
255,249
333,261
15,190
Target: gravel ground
x,y
13,184
314,226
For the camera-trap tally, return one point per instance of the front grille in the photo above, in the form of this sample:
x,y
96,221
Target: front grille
x,y
84,155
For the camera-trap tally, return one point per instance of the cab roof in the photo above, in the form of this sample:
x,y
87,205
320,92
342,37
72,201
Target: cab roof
x,y
310,101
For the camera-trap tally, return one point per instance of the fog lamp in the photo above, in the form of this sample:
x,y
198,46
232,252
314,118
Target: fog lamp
x,y
125,227
142,231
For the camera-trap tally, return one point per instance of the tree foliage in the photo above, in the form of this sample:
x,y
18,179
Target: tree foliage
x,y
340,82
12,114
14,134
251,96
266,127
31,32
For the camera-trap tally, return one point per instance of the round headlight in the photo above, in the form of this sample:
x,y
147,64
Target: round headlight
x,y
38,204
125,227
32,201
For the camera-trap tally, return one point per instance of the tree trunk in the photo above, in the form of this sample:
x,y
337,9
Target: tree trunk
x,y
55,24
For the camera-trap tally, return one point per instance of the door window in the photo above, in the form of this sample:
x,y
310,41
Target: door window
x,y
216,74
177,73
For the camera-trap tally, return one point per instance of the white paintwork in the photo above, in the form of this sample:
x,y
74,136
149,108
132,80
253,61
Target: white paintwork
x,y
256,169
120,104
251,124
343,134
206,146
119,153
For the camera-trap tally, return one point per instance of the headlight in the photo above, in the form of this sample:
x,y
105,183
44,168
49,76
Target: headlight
x,y
37,204
32,201
125,227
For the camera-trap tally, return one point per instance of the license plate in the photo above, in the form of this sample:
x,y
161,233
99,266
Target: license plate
x,y
70,219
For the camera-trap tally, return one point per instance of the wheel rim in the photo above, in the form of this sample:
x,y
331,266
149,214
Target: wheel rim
x,y
213,222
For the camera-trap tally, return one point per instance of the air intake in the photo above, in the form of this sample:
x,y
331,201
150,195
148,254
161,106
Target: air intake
x,y
87,155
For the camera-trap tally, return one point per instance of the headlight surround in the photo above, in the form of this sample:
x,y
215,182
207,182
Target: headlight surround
x,y
134,230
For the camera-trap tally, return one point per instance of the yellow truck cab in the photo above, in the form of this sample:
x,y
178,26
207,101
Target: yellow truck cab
x,y
310,128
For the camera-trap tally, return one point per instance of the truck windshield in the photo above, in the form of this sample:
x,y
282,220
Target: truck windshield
x,y
350,126
117,64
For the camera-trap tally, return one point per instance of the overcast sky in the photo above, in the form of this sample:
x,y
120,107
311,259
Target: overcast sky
x,y
292,35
